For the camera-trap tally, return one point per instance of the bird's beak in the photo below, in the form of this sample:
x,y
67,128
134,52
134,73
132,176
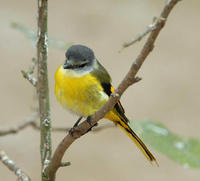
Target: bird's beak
x,y
68,64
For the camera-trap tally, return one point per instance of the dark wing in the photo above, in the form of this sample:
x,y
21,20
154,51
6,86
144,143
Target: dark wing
x,y
104,78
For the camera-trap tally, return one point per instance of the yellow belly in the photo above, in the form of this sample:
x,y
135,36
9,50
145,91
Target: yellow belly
x,y
81,94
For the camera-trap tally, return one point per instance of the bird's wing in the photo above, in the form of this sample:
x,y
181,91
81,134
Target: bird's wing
x,y
105,80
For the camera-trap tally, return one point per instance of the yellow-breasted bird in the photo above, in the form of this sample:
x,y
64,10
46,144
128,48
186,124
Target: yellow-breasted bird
x,y
83,86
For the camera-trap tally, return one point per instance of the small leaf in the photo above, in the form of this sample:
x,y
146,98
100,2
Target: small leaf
x,y
185,151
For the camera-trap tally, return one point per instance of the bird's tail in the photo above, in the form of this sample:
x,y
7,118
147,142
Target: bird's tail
x,y
122,121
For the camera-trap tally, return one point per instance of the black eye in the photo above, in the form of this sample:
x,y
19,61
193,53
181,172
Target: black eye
x,y
82,65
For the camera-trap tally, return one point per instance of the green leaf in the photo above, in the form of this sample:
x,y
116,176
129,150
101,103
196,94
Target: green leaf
x,y
185,151
32,36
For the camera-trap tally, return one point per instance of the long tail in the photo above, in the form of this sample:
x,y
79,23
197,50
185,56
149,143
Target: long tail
x,y
122,121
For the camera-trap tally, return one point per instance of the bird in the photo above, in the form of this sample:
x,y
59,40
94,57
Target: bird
x,y
83,86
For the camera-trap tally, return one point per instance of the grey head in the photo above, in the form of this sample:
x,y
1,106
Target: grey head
x,y
78,57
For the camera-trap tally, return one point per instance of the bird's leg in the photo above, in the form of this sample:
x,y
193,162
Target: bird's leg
x,y
89,122
75,125
77,122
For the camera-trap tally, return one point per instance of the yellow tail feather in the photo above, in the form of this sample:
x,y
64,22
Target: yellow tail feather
x,y
122,122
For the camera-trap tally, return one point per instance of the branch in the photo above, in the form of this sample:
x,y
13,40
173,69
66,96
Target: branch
x,y
30,78
21,176
127,81
139,37
29,74
20,127
43,87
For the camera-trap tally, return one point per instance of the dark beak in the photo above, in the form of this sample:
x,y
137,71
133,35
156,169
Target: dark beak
x,y
67,65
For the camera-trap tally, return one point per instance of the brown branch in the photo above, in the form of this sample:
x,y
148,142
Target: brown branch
x,y
65,164
127,81
141,35
21,176
20,127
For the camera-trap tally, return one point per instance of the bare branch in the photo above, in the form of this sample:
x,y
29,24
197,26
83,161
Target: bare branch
x,y
127,81
65,164
30,78
43,87
21,176
141,35
21,126
29,74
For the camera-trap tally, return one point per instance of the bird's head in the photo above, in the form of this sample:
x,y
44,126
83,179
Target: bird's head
x,y
78,56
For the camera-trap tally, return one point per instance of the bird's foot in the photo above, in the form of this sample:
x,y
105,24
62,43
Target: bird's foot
x,y
89,118
74,129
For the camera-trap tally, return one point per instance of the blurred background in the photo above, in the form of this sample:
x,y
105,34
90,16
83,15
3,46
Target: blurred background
x,y
169,92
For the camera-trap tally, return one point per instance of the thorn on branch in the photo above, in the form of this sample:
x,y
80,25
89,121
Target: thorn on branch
x,y
133,80
137,79
65,164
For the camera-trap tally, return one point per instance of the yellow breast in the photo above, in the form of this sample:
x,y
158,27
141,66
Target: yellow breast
x,y
80,93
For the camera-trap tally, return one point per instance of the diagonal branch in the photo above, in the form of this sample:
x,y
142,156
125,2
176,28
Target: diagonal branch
x,y
141,35
21,176
29,74
127,81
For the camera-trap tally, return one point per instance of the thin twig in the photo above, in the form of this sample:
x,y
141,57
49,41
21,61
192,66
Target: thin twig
x,y
23,125
141,35
21,176
30,78
127,81
29,74
65,164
